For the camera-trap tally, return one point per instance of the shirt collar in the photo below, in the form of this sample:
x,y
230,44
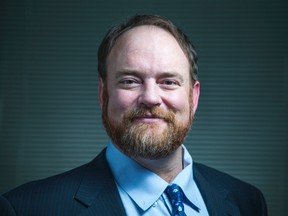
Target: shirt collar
x,y
142,185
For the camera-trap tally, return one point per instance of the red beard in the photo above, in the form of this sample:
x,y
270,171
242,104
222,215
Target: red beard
x,y
144,140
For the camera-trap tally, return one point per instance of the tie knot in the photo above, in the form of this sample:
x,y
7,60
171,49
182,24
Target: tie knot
x,y
177,198
175,193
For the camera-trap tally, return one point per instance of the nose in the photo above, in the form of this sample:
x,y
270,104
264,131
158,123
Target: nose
x,y
150,95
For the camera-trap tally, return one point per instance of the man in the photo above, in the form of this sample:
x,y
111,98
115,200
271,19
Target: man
x,y
148,92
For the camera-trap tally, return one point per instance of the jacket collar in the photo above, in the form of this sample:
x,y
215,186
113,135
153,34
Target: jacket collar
x,y
99,194
98,191
215,196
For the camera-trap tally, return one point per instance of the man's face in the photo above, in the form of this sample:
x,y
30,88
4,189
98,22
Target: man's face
x,y
148,100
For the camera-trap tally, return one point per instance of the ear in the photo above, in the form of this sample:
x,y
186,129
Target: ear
x,y
196,94
100,92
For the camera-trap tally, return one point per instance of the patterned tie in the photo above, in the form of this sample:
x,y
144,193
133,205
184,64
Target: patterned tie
x,y
177,197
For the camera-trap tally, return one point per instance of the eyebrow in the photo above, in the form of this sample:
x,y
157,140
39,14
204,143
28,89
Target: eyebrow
x,y
172,74
138,74
127,72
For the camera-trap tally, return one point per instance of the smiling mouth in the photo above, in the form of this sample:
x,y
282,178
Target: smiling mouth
x,y
154,115
148,119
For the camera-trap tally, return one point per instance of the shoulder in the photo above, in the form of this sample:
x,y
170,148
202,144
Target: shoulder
x,y
52,192
217,177
247,197
59,182
46,194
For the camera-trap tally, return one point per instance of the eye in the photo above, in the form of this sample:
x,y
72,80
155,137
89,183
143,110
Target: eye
x,y
128,83
169,84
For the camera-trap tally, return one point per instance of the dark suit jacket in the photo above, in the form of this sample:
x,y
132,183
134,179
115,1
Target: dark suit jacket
x,y
91,190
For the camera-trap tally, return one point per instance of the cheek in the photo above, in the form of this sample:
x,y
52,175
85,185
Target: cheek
x,y
119,102
181,106
178,102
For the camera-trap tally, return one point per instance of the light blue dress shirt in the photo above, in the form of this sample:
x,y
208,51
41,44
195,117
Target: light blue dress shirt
x,y
142,191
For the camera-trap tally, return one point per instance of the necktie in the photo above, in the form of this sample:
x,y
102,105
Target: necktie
x,y
177,198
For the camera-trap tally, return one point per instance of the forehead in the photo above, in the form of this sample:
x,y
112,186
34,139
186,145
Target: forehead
x,y
148,47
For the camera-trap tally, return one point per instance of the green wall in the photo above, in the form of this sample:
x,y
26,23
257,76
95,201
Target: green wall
x,y
49,114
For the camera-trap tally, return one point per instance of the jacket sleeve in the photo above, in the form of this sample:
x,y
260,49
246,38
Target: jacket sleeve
x,y
6,208
263,205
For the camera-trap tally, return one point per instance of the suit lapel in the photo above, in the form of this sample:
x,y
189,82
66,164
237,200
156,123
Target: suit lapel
x,y
98,191
99,194
215,196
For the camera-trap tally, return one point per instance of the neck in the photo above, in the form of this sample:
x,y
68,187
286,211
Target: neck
x,y
167,168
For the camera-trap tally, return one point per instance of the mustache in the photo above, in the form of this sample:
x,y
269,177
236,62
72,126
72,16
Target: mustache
x,y
154,112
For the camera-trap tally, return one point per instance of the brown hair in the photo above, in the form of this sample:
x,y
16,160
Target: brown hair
x,y
138,20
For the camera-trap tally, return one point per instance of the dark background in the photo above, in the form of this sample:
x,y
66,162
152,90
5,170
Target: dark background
x,y
50,119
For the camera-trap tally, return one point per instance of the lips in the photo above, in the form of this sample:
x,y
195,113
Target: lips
x,y
149,118
153,115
